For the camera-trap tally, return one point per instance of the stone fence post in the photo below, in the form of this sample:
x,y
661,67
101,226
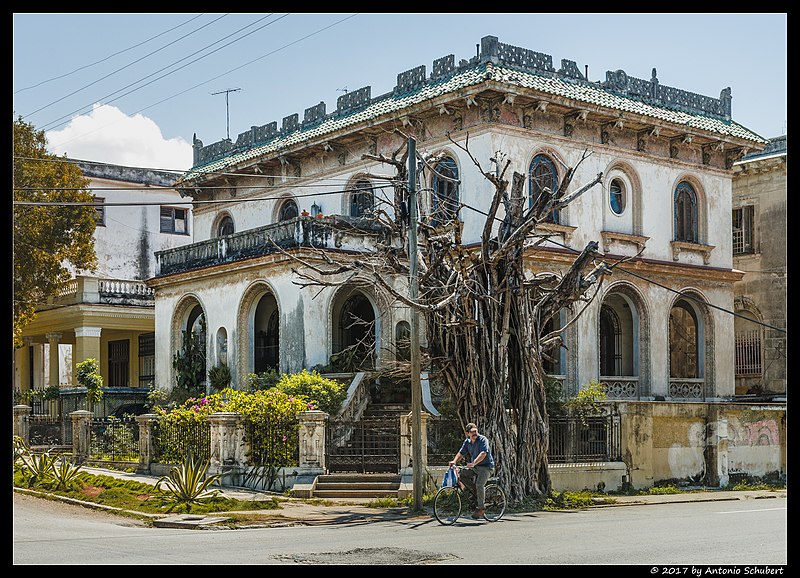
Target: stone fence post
x,y
227,445
406,441
146,441
312,441
22,426
81,434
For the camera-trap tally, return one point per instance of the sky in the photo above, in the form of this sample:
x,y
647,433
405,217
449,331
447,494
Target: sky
x,y
133,89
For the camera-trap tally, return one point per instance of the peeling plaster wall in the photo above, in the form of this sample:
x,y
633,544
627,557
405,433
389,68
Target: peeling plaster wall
x,y
126,244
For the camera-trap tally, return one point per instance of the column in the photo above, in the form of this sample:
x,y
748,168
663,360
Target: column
x,y
146,447
312,441
406,441
81,434
716,451
21,421
87,344
227,445
23,364
53,339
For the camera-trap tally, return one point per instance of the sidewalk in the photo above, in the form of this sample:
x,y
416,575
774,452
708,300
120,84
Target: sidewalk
x,y
296,511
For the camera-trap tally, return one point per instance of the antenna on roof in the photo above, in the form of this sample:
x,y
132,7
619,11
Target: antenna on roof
x,y
227,113
344,90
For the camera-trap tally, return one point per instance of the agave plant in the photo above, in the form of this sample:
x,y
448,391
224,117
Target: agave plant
x,y
39,467
20,449
188,484
64,473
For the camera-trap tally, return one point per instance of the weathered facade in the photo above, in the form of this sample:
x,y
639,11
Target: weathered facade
x,y
760,250
108,314
657,329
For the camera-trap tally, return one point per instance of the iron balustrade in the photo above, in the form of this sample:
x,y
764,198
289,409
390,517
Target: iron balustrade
x,y
114,439
589,439
173,441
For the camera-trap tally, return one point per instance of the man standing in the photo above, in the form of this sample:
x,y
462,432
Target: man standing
x,y
479,469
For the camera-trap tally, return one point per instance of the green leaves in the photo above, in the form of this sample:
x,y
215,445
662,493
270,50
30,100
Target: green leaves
x,y
64,474
88,376
45,238
42,469
187,484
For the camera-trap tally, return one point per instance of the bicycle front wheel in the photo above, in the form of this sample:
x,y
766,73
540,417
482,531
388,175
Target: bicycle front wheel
x,y
447,505
495,502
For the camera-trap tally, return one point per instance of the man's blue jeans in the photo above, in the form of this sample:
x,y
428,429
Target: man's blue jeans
x,y
475,479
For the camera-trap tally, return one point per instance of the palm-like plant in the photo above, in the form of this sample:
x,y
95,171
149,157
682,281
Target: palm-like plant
x,y
39,467
20,449
188,484
64,473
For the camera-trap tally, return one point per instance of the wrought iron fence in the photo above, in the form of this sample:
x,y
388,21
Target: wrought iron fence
x,y
445,437
273,443
46,430
114,439
589,439
172,441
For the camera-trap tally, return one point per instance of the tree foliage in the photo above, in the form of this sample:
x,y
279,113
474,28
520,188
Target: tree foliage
x,y
46,238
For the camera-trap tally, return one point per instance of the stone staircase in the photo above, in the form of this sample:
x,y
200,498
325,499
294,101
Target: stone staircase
x,y
356,486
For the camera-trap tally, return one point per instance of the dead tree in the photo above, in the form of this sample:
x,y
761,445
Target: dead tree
x,y
483,315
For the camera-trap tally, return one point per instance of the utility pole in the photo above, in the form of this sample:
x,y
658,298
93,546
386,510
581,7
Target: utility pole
x,y
416,386
227,113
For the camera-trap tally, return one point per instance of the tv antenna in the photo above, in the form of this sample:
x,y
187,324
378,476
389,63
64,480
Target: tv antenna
x,y
226,92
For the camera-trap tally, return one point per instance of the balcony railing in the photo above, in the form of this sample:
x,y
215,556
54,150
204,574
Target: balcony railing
x,y
85,289
618,387
686,388
331,233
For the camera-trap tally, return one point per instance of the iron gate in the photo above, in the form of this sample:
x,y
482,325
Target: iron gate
x,y
369,445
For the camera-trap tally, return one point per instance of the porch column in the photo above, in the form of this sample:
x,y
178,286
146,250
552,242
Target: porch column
x,y
22,362
87,345
53,339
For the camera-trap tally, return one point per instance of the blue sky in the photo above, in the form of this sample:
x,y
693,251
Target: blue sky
x,y
132,89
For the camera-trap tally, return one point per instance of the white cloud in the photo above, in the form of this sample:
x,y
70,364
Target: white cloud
x,y
108,135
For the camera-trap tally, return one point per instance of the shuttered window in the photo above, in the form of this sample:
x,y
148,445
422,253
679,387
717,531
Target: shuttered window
x,y
174,220
118,360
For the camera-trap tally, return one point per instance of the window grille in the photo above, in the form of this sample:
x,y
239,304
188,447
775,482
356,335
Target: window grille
x,y
118,359
685,213
743,230
748,352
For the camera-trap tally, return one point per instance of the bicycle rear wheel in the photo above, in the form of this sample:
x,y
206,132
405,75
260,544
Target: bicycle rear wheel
x,y
447,505
495,502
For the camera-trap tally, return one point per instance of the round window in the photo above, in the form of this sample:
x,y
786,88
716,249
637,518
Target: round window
x,y
617,196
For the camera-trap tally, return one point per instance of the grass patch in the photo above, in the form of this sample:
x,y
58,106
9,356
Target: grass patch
x,y
142,498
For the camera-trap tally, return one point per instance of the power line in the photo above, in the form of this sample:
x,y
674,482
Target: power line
x,y
227,72
109,56
116,71
53,124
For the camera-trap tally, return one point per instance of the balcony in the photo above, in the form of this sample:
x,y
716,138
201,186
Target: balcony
x,y
83,289
619,387
335,232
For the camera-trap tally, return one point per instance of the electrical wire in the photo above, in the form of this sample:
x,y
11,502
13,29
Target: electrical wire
x,y
107,57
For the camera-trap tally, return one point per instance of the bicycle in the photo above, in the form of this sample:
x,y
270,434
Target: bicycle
x,y
447,503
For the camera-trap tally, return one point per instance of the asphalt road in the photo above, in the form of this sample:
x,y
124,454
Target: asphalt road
x,y
747,534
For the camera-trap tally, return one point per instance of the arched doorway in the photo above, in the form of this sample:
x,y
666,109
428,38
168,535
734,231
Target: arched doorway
x,y
354,333
266,332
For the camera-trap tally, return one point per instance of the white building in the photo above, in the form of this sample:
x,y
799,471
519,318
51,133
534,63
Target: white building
x,y
657,330
108,314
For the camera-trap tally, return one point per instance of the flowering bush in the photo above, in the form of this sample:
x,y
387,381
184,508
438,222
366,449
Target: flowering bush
x,y
325,394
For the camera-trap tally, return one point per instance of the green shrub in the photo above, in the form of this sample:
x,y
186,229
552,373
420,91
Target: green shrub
x,y
323,393
188,484
264,380
88,376
219,377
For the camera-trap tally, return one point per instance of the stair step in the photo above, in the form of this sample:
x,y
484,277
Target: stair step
x,y
355,493
359,478
357,486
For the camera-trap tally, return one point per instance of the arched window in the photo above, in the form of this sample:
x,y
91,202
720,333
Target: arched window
x,y
362,200
685,213
225,226
684,346
402,340
616,196
445,191
288,211
543,175
610,346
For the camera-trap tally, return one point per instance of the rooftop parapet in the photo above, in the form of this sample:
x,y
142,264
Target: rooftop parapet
x,y
490,50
